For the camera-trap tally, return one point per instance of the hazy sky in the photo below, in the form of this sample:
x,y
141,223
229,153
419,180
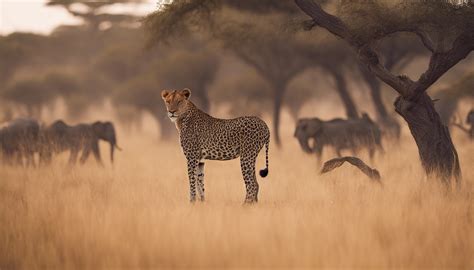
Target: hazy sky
x,y
35,16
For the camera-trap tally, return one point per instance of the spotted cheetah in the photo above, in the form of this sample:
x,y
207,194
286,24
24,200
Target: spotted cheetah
x,y
204,137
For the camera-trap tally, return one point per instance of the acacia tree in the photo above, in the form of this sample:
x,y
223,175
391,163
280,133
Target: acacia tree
x,y
184,68
243,89
449,97
172,68
31,95
448,43
275,56
93,14
334,58
17,50
396,55
259,40
11,58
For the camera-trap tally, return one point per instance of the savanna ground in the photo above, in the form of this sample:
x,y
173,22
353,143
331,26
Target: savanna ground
x,y
137,214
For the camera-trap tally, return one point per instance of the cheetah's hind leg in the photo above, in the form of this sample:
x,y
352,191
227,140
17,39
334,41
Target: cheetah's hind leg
x,y
247,164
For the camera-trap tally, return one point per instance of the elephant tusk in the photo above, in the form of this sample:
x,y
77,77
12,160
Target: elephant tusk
x,y
118,148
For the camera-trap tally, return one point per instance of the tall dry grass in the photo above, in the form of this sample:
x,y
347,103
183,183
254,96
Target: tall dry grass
x,y
137,214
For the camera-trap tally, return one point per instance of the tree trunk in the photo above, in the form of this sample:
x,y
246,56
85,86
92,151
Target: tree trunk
x,y
279,89
375,86
435,147
202,101
388,123
166,127
341,87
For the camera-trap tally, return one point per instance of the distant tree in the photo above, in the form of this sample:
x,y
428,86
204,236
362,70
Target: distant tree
x,y
11,58
335,59
188,69
31,95
243,90
90,89
92,13
143,94
16,50
274,55
362,23
171,68
449,98
299,95
120,62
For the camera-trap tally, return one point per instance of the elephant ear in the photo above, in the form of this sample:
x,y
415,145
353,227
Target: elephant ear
x,y
302,124
59,125
97,126
316,125
108,125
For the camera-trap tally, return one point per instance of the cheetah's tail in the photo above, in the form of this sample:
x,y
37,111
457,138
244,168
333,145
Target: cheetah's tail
x,y
264,172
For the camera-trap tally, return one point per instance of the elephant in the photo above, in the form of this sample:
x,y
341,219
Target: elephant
x,y
339,133
60,137
19,140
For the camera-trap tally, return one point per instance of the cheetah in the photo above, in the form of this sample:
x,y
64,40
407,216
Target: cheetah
x,y
203,137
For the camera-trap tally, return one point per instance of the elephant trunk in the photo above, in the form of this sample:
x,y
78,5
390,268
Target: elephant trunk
x,y
112,148
303,140
113,144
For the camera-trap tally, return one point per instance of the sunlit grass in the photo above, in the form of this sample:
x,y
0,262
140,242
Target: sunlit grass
x,y
137,213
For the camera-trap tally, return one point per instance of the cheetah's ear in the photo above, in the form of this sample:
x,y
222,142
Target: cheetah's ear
x,y
186,92
164,94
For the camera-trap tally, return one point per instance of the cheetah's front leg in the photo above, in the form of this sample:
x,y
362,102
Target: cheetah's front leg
x,y
200,180
192,167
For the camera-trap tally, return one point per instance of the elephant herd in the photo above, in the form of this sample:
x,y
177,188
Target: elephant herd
x,y
22,138
341,134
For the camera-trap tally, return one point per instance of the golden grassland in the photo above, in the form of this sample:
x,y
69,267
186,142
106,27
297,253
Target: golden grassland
x,y
137,215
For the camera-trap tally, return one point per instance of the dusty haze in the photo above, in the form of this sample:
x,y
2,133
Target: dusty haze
x,y
137,214
239,58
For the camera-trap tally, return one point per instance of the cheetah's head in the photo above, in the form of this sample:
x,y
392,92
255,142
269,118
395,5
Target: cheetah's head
x,y
176,102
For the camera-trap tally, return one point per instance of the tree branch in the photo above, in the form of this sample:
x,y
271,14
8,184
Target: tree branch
x,y
440,62
427,42
365,52
320,17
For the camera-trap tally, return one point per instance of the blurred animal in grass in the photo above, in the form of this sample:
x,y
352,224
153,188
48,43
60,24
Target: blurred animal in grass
x,y
19,141
469,121
59,137
341,134
334,163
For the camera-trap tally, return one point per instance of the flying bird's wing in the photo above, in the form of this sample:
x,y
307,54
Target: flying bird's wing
x,y
337,162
